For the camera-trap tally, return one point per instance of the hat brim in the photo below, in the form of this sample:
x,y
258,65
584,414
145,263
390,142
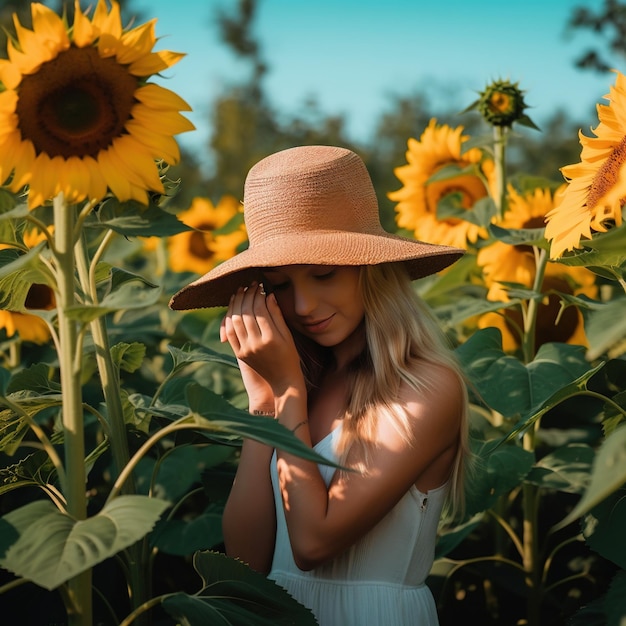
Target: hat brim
x,y
215,288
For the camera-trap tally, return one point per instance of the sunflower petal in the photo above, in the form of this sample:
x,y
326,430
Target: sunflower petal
x,y
137,43
154,63
161,146
84,32
157,97
169,122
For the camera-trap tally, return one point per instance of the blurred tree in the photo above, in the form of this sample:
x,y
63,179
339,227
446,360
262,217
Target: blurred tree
x,y
245,126
609,23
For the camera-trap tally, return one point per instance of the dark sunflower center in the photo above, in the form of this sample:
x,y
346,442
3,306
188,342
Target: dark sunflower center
x,y
198,241
40,297
607,176
76,104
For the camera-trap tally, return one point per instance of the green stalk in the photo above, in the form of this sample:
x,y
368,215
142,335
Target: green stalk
x,y
74,490
139,578
530,317
499,149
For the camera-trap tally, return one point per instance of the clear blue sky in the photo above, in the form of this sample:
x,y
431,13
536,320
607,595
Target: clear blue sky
x,y
351,55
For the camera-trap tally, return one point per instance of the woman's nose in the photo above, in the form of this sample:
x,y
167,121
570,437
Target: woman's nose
x,y
303,301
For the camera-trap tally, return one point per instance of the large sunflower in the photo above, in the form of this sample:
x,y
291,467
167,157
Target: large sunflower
x,y
200,250
504,263
438,147
596,192
30,327
77,114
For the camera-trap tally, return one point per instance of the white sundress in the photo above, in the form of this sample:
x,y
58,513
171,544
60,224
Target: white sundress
x,y
378,581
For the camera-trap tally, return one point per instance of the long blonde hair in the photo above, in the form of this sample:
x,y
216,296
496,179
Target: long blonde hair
x,y
403,342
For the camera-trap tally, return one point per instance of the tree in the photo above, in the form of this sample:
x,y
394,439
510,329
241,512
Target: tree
x,y
607,22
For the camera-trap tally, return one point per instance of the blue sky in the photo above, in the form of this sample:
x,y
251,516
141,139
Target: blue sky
x,y
351,55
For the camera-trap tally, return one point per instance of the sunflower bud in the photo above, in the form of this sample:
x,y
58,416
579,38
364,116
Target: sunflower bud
x,y
502,103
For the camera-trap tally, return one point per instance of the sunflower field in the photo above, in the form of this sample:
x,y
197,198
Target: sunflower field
x,y
121,420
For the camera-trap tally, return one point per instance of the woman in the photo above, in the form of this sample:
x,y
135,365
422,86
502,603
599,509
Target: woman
x,y
333,343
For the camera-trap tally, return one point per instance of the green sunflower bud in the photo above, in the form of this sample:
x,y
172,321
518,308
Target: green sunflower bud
x,y
502,103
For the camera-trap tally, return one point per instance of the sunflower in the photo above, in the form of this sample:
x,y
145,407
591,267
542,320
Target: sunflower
x,y
438,147
596,191
200,250
77,114
30,327
502,263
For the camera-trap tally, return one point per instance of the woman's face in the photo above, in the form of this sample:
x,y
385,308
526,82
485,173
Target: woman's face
x,y
322,302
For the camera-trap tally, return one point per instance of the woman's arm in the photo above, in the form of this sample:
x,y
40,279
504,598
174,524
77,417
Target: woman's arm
x,y
249,519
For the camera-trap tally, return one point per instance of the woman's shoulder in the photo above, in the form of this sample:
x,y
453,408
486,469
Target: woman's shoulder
x,y
438,396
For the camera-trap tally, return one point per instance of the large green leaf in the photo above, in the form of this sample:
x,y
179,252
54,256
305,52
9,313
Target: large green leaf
x,y
499,469
605,326
36,470
603,528
133,219
235,595
218,416
130,295
509,386
52,547
185,536
608,474
520,236
566,469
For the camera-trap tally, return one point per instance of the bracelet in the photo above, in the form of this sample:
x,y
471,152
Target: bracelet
x,y
302,423
266,413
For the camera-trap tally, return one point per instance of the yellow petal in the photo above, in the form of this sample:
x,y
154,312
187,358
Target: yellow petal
x,y
138,163
114,175
44,182
137,43
154,63
169,122
84,33
157,97
10,76
161,146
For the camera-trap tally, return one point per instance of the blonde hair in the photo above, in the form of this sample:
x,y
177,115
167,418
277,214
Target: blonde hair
x,y
403,342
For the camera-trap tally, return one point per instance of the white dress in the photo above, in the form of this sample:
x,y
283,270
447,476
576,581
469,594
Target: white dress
x,y
379,581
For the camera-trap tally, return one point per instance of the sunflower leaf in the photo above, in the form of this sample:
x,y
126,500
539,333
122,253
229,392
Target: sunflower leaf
x,y
520,236
52,547
232,594
451,206
607,475
133,219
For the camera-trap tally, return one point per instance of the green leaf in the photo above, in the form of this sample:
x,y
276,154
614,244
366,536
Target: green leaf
x,y
187,356
8,201
235,595
53,547
184,536
128,356
509,386
499,469
129,296
133,219
520,236
18,272
603,528
35,470
451,206
608,474
35,378
211,410
605,326
566,469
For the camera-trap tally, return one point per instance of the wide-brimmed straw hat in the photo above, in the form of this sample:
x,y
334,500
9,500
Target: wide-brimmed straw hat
x,y
311,205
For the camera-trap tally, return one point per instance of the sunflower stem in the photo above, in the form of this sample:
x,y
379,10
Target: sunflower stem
x,y
74,490
499,147
530,317
109,377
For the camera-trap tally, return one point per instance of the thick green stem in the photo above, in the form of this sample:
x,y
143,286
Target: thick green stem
x,y
139,579
74,488
530,498
499,148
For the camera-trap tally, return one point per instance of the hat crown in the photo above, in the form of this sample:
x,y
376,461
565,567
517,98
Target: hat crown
x,y
309,188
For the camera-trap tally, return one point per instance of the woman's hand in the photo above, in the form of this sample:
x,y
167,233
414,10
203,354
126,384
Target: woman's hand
x,y
263,344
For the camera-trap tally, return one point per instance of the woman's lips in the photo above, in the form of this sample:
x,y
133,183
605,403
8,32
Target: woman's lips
x,y
317,326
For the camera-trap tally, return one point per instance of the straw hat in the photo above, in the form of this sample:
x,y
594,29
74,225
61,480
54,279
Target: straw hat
x,y
311,205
